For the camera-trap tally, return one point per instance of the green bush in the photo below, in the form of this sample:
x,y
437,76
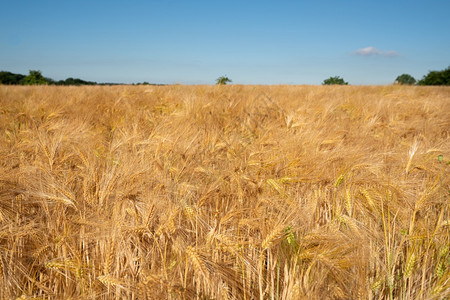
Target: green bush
x,y
10,78
334,80
222,80
34,78
436,78
405,79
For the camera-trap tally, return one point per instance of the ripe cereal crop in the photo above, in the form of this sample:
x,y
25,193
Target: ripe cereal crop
x,y
224,192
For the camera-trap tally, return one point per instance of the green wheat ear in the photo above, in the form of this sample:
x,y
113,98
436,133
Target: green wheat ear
x,y
290,238
440,158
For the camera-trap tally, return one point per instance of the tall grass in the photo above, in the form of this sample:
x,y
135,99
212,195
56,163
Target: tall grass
x,y
224,192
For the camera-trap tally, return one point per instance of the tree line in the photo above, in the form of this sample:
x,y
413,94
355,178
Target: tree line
x,y
35,77
432,78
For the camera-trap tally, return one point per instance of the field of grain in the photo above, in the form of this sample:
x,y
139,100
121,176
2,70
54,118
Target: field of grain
x,y
224,192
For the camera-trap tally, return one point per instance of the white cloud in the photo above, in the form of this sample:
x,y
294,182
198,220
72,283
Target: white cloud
x,y
391,53
369,51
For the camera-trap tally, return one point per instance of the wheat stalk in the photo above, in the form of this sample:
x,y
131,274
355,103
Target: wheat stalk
x,y
109,258
348,202
368,198
109,280
410,264
339,180
411,154
274,236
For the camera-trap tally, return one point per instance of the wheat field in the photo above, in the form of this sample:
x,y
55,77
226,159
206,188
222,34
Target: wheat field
x,y
224,192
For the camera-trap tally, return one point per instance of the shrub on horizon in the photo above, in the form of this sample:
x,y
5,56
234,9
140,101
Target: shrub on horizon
x,y
334,80
405,79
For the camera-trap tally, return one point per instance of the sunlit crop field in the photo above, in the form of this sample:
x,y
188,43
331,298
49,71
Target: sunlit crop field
x,y
224,192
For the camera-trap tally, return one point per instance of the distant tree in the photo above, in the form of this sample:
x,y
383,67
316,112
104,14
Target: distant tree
x,y
436,78
334,80
222,80
405,79
35,77
74,81
50,81
10,78
70,81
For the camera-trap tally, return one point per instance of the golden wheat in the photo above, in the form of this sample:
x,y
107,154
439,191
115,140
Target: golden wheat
x,y
224,192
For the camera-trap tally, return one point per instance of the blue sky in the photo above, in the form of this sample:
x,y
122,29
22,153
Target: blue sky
x,y
251,42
